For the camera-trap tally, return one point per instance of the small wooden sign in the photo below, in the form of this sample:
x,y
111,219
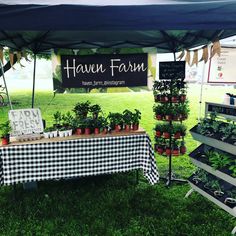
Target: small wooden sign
x,y
171,70
25,121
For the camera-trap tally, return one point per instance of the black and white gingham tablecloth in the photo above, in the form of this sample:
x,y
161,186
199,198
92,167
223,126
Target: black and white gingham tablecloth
x,y
77,157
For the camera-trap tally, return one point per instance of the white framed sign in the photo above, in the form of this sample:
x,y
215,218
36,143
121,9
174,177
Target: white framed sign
x,y
25,121
222,69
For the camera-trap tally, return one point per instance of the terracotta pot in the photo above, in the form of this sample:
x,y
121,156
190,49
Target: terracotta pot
x,y
182,98
135,126
166,134
168,117
96,130
79,131
168,151
127,128
175,118
87,131
183,149
160,150
157,98
175,152
158,133
177,135
164,99
105,131
159,117
117,128
174,99
5,141
182,117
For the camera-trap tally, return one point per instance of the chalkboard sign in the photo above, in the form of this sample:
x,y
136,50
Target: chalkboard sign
x,y
224,110
97,71
172,70
25,121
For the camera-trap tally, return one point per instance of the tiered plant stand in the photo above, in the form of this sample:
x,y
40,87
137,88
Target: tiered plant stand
x,y
170,99
227,178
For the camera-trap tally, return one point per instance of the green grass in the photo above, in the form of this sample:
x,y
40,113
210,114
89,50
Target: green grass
x,y
113,205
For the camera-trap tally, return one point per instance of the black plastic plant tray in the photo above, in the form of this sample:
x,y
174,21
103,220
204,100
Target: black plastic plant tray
x,y
203,163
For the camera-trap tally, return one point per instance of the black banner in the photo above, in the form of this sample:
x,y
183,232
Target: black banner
x,y
172,70
97,71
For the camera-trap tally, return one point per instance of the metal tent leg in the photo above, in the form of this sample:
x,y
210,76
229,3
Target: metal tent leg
x,y
5,85
233,231
189,193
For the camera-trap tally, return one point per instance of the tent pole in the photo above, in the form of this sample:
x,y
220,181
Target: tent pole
x,y
201,93
5,85
33,90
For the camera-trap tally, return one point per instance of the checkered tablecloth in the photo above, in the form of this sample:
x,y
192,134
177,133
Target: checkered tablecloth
x,y
77,157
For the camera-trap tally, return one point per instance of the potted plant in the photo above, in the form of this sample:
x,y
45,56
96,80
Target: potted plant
x,y
5,129
88,125
182,86
231,199
116,121
167,111
168,151
175,93
57,118
79,124
183,148
136,117
159,130
50,132
218,160
158,110
167,131
183,109
127,118
104,125
95,109
81,109
175,150
64,132
98,124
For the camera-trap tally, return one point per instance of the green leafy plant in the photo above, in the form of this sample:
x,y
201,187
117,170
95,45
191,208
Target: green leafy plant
x,y
49,129
68,120
218,160
5,129
115,119
127,117
57,118
227,130
95,110
233,168
136,116
81,109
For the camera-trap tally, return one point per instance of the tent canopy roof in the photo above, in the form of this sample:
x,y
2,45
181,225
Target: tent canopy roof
x,y
168,25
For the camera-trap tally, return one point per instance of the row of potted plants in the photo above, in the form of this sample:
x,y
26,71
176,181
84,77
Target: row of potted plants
x,y
162,89
176,112
166,131
217,129
65,124
220,189
162,147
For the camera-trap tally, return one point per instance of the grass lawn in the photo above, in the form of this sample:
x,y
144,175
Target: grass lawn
x,y
113,205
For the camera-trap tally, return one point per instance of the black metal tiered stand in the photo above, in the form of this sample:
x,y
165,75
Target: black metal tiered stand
x,y
170,177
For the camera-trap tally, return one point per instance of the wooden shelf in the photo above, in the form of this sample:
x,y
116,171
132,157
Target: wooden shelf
x,y
231,211
227,147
